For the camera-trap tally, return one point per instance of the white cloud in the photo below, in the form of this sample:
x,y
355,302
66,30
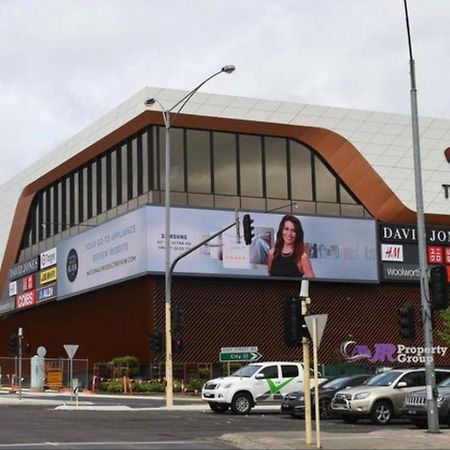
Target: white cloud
x,y
66,63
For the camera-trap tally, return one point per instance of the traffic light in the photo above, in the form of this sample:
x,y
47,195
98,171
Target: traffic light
x,y
13,344
156,342
177,318
248,229
439,287
177,345
294,322
407,322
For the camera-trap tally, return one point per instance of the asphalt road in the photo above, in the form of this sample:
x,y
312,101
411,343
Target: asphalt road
x,y
43,426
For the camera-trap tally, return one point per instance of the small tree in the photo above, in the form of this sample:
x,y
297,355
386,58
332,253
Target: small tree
x,y
445,333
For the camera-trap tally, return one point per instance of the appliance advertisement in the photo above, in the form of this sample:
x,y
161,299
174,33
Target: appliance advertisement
x,y
338,249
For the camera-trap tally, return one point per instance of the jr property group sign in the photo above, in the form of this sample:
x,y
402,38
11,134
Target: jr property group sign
x,y
339,249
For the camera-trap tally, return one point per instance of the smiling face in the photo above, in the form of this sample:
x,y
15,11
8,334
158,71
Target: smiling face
x,y
289,234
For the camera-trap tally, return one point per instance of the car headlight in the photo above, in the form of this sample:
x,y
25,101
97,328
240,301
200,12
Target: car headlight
x,y
361,395
441,399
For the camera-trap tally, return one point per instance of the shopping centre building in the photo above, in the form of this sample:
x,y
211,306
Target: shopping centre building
x,y
83,228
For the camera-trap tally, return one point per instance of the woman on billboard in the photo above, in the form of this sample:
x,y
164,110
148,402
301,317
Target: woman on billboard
x,y
289,257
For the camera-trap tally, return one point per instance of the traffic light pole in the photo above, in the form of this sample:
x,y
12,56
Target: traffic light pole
x,y
304,296
433,420
20,336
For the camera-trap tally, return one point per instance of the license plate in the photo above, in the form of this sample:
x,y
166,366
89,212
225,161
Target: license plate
x,y
412,413
208,395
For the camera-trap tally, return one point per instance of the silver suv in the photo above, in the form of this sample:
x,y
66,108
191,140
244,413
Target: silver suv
x,y
381,398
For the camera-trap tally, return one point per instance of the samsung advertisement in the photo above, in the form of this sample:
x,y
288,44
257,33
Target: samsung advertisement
x,y
283,247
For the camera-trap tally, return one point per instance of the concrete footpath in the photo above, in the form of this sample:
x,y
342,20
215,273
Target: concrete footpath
x,y
381,438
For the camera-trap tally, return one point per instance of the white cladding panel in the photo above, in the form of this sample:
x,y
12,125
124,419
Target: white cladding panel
x,y
384,139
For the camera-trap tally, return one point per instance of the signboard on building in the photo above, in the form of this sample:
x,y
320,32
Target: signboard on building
x,y
399,250
48,258
24,268
339,249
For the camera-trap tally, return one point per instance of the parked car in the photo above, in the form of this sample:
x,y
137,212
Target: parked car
x,y
381,398
253,384
415,405
294,402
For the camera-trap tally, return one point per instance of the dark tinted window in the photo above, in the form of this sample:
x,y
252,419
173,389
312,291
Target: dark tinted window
x,y
414,379
441,376
270,372
289,371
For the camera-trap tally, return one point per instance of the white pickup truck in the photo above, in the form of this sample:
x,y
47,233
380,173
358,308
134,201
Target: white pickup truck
x,y
253,384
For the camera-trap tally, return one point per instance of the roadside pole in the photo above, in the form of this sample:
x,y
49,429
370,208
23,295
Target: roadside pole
x,y
304,292
20,337
316,383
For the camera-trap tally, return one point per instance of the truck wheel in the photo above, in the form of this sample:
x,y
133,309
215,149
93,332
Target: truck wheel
x,y
381,413
241,403
219,407
350,419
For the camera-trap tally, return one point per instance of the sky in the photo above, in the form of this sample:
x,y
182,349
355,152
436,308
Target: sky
x,y
66,63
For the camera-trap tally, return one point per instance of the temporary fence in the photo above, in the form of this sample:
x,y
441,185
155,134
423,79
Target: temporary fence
x,y
57,372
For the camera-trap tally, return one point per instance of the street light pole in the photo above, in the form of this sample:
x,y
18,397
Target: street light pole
x,y
433,420
176,109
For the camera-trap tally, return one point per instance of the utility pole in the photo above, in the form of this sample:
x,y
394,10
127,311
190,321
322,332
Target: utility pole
x,y
433,420
20,338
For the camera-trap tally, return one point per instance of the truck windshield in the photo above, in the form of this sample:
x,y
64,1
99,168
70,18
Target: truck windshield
x,y
246,371
384,379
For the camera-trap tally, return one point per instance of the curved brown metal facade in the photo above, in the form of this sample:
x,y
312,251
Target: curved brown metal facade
x,y
218,312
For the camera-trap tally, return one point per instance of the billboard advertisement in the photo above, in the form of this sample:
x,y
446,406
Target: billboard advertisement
x,y
336,248
332,248
108,253
399,250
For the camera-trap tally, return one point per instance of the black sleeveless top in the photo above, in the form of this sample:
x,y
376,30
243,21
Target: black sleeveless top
x,y
285,266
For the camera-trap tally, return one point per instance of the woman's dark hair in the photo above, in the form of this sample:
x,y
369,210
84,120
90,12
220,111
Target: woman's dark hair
x,y
299,246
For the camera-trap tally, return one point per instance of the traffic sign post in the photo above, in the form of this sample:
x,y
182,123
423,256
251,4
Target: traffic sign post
x,y
71,349
239,354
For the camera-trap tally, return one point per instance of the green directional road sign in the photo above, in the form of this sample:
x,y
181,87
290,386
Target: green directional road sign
x,y
239,356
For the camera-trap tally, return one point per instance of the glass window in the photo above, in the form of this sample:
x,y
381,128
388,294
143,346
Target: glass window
x,y
134,173
124,172
103,184
289,371
270,372
224,162
250,165
113,179
414,379
176,159
276,167
84,184
300,171
345,196
94,188
198,155
325,182
145,163
76,200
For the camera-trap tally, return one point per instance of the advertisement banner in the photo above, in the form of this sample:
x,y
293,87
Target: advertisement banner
x,y
333,248
399,250
336,248
48,275
108,253
26,299
46,293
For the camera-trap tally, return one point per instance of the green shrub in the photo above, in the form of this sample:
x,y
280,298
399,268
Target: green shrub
x,y
176,386
126,366
156,387
115,386
204,373
195,385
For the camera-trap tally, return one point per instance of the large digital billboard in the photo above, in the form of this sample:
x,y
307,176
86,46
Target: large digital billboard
x,y
332,248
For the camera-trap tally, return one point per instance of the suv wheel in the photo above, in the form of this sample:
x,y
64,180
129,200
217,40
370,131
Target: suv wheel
x,y
241,403
381,413
325,409
219,407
